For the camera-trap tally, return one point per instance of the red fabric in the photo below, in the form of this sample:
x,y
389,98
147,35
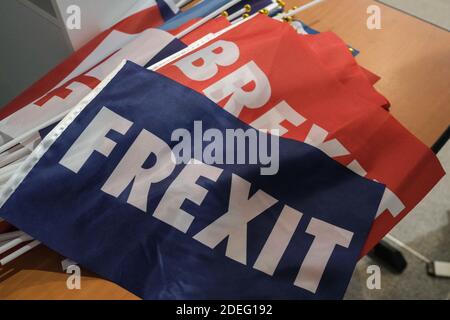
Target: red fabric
x,y
337,58
385,149
326,45
334,94
372,77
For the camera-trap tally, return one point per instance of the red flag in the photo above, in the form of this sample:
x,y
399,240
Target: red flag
x,y
264,73
335,56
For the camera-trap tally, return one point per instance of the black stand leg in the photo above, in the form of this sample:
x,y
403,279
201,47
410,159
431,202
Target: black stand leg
x,y
389,256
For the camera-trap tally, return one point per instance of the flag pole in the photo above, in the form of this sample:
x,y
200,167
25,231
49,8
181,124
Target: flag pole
x,y
60,116
33,131
209,17
9,151
8,171
293,12
11,235
195,45
11,244
14,156
246,9
19,252
16,142
270,8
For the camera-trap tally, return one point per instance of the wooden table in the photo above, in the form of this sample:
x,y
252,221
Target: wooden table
x,y
411,56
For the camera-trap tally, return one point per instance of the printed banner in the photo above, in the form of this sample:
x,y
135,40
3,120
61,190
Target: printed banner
x,y
278,75
291,227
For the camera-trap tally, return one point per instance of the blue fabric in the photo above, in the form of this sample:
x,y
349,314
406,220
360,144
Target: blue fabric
x,y
166,11
173,47
68,212
198,11
46,131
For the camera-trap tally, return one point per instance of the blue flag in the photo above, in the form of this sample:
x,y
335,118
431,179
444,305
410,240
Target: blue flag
x,y
108,188
168,9
200,10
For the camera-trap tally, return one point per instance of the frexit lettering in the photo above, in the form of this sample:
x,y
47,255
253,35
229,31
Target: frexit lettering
x,y
243,205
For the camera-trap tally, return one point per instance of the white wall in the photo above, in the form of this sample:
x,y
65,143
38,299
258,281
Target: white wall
x,y
31,45
96,16
34,39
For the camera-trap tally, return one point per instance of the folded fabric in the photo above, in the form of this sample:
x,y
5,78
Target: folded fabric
x,y
337,59
277,74
166,229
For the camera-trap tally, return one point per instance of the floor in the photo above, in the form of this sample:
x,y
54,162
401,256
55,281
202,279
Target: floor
x,y
427,230
434,11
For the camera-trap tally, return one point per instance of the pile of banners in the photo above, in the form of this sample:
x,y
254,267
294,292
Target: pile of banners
x,y
119,158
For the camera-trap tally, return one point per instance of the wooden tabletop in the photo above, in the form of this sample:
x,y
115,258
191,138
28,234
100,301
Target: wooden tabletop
x,y
411,56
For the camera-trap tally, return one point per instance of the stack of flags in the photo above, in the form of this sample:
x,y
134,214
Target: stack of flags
x,y
91,168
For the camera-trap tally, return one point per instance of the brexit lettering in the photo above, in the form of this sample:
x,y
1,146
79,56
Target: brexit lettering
x,y
243,204
249,87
